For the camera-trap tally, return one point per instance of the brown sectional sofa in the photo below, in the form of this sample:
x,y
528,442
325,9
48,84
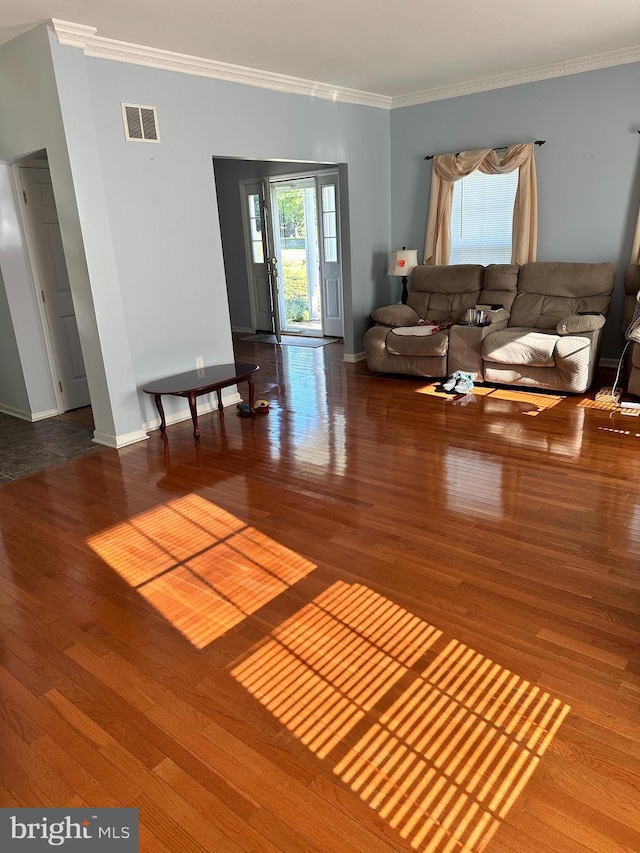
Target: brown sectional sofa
x,y
540,338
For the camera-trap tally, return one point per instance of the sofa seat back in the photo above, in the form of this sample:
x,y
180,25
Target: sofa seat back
x,y
549,292
500,285
441,293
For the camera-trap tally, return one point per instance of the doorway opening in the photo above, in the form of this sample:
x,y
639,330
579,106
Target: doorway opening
x,y
51,281
293,254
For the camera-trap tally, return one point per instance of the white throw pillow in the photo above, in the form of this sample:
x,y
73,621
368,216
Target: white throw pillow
x,y
420,331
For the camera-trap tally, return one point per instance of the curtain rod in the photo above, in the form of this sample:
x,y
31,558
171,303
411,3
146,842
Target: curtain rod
x,y
497,148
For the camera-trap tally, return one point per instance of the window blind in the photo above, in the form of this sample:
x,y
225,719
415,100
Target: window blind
x,y
482,218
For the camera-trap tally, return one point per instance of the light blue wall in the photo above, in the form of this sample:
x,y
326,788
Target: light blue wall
x,y
29,121
162,199
588,170
13,390
90,257
44,105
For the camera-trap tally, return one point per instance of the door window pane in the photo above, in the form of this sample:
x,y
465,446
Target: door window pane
x,y
255,224
328,197
329,224
330,250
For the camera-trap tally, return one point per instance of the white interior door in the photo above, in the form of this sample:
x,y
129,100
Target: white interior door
x,y
294,215
273,271
262,265
259,287
50,269
330,254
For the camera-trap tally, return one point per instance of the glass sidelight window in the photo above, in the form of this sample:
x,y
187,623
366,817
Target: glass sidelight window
x,y
255,225
329,224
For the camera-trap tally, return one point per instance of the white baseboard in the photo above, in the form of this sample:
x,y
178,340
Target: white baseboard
x,y
243,330
48,413
352,359
185,414
28,416
119,441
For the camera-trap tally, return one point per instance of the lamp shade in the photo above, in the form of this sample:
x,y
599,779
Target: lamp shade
x,y
403,261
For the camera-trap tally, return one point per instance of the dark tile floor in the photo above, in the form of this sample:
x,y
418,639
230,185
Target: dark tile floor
x,y
29,447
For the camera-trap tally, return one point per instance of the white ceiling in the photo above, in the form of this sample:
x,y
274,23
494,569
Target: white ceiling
x,y
378,46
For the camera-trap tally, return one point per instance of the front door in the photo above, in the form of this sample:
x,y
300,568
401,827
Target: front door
x,y
295,235
262,262
50,269
330,254
259,288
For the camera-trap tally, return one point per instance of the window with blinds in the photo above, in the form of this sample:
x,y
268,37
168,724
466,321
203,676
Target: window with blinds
x,y
482,218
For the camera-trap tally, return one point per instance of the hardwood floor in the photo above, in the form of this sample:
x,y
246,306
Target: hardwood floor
x,y
378,618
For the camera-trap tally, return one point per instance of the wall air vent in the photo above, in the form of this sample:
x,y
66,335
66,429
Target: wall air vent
x,y
140,123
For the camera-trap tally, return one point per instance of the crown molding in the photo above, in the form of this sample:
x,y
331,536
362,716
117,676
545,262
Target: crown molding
x,y
603,60
525,75
484,84
77,35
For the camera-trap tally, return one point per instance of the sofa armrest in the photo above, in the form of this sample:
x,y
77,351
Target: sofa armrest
x,y
465,346
499,318
578,324
395,315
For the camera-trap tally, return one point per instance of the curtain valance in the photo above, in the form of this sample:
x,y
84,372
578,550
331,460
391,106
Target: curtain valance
x,y
449,168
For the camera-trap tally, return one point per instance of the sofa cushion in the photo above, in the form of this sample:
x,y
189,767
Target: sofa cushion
x,y
445,292
500,285
458,278
422,343
533,349
549,292
577,323
520,346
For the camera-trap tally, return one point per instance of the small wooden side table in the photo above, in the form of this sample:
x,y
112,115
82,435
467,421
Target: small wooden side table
x,y
194,383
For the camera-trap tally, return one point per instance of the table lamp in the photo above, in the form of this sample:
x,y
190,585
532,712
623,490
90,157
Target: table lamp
x,y
402,262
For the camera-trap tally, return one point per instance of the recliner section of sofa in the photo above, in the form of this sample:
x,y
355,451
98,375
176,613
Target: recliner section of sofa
x,y
438,294
547,335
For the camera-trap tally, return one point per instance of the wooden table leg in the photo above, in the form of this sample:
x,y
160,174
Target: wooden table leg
x,y
252,391
220,406
194,414
163,423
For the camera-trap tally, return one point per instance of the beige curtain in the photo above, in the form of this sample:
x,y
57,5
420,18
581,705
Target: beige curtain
x,y
635,249
448,168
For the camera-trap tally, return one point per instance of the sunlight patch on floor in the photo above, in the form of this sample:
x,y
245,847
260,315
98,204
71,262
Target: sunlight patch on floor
x,y
603,405
440,744
538,402
201,567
